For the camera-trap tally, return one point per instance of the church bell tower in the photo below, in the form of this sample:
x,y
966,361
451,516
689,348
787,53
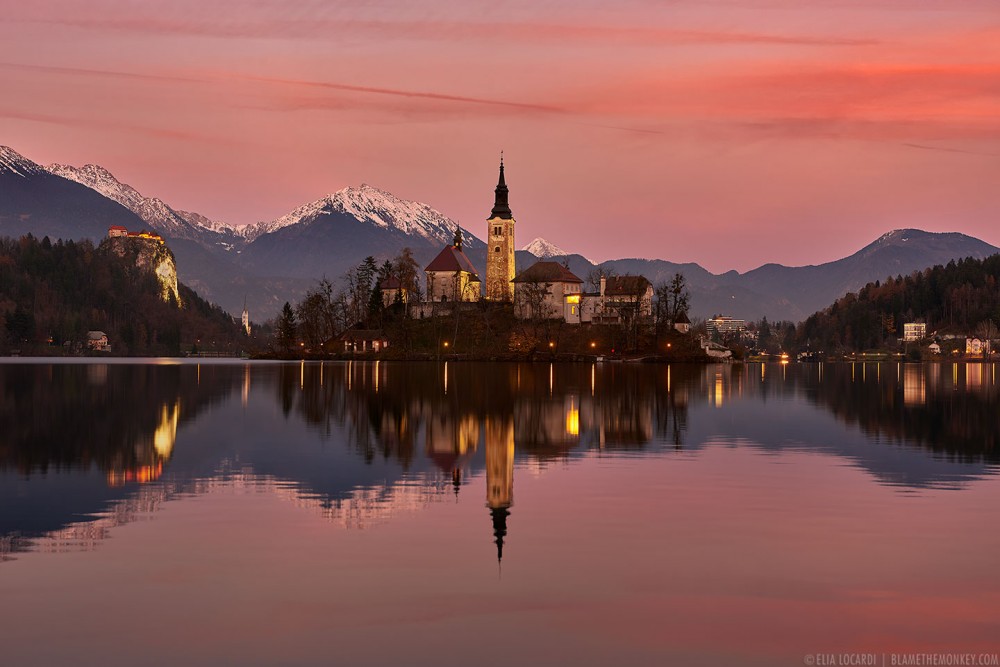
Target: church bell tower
x,y
500,246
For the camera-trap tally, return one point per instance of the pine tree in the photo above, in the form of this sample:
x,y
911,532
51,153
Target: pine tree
x,y
285,330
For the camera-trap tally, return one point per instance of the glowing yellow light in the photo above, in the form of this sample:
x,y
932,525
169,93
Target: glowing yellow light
x,y
573,420
572,298
446,343
593,344
166,431
551,344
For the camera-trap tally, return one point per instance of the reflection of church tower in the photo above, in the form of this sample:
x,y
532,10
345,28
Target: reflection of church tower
x,y
499,475
500,250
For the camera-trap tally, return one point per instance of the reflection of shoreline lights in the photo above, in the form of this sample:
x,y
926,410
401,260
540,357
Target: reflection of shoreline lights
x,y
166,432
572,418
164,438
141,475
914,387
974,376
246,384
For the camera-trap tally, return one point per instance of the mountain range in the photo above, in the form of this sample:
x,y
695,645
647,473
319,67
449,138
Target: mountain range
x,y
269,262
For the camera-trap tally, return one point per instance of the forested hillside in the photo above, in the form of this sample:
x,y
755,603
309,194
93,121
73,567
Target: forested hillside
x,y
962,297
52,294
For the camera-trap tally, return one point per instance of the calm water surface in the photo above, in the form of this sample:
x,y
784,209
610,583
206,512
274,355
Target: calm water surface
x,y
495,514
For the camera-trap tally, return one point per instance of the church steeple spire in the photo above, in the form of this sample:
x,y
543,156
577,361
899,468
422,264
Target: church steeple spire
x,y
501,209
458,237
499,515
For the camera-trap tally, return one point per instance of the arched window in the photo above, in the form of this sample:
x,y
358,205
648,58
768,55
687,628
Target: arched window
x,y
497,249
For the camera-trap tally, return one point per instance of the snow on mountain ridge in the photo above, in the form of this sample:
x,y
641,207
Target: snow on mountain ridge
x,y
543,249
14,162
152,210
372,205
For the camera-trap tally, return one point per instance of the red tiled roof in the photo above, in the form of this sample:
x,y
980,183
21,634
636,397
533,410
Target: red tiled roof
x,y
391,283
547,272
631,285
451,259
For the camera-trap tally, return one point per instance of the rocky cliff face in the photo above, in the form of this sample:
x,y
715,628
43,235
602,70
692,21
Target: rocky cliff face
x,y
148,255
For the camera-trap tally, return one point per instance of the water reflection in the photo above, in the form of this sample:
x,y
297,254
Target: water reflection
x,y
88,447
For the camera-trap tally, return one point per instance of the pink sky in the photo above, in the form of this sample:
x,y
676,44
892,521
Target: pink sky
x,y
728,132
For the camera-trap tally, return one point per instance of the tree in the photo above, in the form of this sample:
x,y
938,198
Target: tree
x,y
765,339
408,272
987,332
671,301
678,298
285,331
594,276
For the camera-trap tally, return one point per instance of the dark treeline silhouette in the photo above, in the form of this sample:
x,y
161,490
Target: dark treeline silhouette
x,y
916,407
115,417
54,293
959,296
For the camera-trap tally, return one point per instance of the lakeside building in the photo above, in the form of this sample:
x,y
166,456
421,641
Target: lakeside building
x,y
914,331
724,324
117,231
547,290
98,341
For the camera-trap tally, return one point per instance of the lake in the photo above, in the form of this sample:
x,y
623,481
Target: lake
x,y
372,513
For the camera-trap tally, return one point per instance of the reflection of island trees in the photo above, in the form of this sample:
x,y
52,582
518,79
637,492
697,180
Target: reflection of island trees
x,y
393,410
121,419
950,409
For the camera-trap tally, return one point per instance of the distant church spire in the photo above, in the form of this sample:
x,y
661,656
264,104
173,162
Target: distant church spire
x,y
501,209
458,237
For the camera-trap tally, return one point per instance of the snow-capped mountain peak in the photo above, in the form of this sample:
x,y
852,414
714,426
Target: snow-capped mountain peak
x,y
13,162
152,210
371,205
100,179
542,249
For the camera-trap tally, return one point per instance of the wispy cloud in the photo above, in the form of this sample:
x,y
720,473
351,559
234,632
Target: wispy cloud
x,y
950,150
84,71
418,30
111,125
396,92
217,77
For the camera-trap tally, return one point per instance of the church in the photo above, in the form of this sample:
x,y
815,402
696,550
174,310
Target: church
x,y
545,290
451,276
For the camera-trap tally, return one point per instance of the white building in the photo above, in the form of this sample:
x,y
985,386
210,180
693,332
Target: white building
x,y
914,331
547,290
